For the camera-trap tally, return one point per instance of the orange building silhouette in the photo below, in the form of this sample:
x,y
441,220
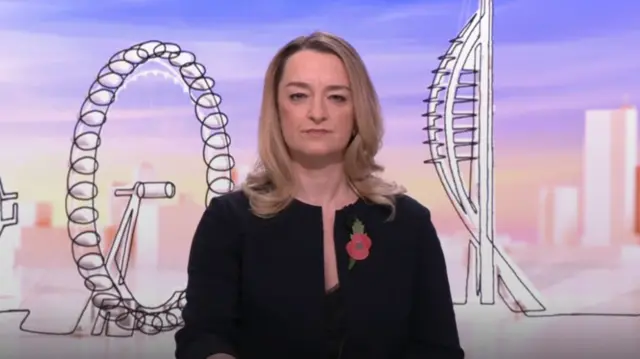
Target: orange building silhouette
x,y
558,216
42,245
44,215
44,248
234,175
177,226
109,236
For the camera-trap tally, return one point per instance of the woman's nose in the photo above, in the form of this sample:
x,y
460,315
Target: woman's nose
x,y
317,111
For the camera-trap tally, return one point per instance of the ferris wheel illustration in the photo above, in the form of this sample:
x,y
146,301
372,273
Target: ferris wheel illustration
x,y
104,274
460,133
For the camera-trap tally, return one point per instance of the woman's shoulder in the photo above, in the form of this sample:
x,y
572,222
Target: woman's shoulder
x,y
410,209
235,199
414,219
234,204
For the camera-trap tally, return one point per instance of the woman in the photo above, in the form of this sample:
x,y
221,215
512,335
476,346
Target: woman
x,y
317,257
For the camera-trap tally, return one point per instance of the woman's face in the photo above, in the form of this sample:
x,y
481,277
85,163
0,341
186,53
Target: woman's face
x,y
315,106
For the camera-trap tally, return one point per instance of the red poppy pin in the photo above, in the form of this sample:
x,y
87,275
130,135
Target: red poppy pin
x,y
359,245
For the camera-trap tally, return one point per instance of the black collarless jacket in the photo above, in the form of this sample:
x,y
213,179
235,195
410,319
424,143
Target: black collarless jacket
x,y
256,286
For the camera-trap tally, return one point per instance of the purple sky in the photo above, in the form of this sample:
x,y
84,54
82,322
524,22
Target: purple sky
x,y
551,63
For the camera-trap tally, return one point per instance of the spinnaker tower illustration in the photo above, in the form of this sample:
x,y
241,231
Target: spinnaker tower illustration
x,y
460,133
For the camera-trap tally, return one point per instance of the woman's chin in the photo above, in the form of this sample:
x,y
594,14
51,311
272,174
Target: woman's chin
x,y
319,153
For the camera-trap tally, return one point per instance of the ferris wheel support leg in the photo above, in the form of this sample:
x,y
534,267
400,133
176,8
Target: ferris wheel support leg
x,y
101,316
117,310
115,321
105,314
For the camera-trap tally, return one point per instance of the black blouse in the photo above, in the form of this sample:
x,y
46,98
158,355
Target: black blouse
x,y
256,286
334,316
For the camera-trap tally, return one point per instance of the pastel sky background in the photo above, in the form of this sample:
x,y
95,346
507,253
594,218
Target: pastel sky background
x,y
554,59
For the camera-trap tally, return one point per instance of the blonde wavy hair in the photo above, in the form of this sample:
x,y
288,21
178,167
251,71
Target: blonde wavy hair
x,y
270,185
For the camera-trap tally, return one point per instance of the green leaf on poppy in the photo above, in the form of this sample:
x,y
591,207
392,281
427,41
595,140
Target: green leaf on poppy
x,y
352,262
358,226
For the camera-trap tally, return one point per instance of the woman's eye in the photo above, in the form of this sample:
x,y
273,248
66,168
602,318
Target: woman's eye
x,y
297,96
338,98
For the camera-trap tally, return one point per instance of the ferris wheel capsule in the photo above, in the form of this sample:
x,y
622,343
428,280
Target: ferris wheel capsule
x,y
213,121
182,59
102,97
83,215
135,55
85,165
88,141
110,80
173,49
221,162
150,48
87,239
192,70
93,117
208,100
203,83
84,191
121,67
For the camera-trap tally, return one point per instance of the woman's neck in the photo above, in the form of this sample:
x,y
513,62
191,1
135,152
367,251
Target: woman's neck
x,y
325,187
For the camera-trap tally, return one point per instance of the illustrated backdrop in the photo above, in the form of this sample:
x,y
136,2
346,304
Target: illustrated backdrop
x,y
565,149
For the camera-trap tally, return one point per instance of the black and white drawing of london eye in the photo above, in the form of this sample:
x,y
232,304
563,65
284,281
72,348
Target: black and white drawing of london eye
x,y
104,274
460,133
